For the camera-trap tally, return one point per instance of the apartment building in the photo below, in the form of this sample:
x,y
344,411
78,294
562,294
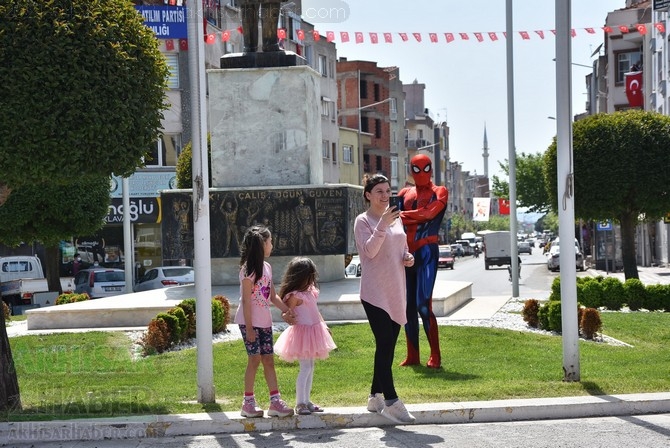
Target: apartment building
x,y
370,100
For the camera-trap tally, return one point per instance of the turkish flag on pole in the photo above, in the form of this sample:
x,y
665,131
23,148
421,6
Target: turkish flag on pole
x,y
503,206
634,89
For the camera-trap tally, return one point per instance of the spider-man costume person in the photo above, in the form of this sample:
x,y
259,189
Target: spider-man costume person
x,y
423,207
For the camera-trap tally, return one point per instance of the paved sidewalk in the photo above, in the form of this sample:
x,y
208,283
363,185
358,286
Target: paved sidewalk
x,y
165,426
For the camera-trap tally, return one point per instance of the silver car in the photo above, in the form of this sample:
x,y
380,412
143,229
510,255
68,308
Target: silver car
x,y
553,258
100,282
165,276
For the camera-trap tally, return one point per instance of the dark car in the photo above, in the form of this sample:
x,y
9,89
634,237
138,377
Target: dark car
x,y
524,247
446,258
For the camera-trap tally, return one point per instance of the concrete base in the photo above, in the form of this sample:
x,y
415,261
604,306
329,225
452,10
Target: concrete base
x,y
338,301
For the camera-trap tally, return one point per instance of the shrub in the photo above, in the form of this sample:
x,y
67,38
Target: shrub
x,y
157,337
543,316
613,293
590,322
530,310
183,323
554,316
217,316
71,298
592,294
188,305
635,292
666,299
172,324
5,311
555,289
655,297
225,303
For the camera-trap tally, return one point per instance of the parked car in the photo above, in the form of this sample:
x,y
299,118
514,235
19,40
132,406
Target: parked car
x,y
446,258
553,258
354,267
165,276
524,247
100,282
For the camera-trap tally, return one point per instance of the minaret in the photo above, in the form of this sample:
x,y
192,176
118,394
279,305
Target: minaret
x,y
485,154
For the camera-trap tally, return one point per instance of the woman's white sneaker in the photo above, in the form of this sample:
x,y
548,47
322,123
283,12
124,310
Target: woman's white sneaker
x,y
376,403
397,413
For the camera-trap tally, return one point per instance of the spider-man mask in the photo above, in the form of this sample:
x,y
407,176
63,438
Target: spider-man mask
x,y
422,169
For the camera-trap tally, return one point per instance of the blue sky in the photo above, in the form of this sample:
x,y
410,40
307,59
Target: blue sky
x,y
466,80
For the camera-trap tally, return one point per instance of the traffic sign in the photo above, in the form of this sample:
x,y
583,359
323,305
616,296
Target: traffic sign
x,y
604,225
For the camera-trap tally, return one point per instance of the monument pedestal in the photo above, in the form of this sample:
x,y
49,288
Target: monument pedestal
x,y
265,126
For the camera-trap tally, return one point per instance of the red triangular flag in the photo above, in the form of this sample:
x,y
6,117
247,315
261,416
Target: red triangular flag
x,y
449,37
503,206
374,38
417,36
359,37
433,37
169,45
300,34
240,29
210,39
590,30
540,33
573,33
607,29
553,32
281,33
404,37
388,38
505,34
330,36
479,37
623,29
524,35
464,36
225,36
183,44
641,28
316,36
344,36
493,36
660,27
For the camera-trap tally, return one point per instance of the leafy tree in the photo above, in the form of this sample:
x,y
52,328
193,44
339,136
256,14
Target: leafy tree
x,y
83,91
82,95
620,163
530,189
185,164
51,212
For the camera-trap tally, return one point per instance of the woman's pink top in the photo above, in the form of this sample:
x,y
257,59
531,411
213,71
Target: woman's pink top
x,y
260,299
382,251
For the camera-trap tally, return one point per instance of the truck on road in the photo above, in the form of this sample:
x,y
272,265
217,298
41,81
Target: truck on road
x,y
22,276
497,249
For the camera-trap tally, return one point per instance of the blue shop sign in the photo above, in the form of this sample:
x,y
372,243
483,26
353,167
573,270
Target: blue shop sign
x,y
167,22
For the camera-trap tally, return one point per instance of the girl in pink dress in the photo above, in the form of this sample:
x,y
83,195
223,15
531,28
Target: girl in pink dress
x,y
309,338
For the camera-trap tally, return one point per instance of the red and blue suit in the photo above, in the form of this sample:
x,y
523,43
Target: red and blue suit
x,y
423,207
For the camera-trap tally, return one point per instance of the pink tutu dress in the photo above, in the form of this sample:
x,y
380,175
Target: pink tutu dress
x,y
309,337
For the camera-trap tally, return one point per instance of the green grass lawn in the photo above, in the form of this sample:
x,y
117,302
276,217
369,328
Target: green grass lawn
x,y
93,374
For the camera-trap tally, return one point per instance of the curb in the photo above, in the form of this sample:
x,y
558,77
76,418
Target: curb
x,y
161,426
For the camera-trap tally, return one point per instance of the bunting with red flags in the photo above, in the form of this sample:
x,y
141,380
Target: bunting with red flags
x,y
374,37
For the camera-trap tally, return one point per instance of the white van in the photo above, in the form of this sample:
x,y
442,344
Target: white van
x,y
19,267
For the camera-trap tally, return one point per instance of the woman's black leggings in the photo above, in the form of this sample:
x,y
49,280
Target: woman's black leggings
x,y
386,333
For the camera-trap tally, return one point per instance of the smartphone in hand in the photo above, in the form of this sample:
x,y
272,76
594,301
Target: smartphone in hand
x,y
395,201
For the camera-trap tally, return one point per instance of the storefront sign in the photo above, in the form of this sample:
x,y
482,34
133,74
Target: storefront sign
x,y
167,22
144,210
144,184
